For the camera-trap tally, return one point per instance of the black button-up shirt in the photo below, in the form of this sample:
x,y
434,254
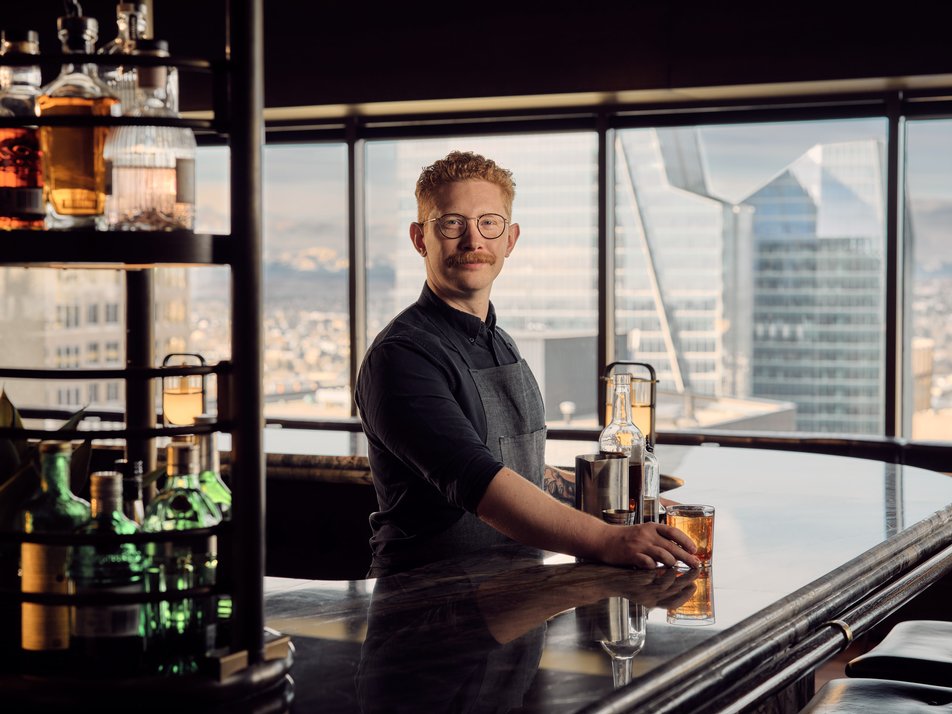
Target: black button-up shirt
x,y
424,420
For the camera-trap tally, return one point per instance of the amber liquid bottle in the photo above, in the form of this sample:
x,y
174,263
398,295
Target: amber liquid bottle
x,y
21,177
73,164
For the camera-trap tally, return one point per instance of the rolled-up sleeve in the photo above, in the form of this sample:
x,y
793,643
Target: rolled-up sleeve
x,y
413,405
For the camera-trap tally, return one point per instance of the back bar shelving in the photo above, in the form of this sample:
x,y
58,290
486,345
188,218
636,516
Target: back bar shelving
x,y
238,118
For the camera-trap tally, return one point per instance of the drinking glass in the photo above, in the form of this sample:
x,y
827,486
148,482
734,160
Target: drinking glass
x,y
697,522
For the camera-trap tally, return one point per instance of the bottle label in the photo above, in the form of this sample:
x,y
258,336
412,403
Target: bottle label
x,y
109,621
45,627
185,181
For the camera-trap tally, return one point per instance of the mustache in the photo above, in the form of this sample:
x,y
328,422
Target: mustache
x,y
471,256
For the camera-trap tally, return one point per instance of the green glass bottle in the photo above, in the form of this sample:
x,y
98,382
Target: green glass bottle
x,y
209,464
108,639
44,568
180,506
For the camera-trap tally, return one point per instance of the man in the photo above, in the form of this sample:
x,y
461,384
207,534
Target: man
x,y
452,414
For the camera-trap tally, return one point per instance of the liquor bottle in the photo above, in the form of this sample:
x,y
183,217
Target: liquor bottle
x,y
132,505
131,24
21,170
44,568
651,513
186,624
209,464
108,638
153,167
621,436
74,171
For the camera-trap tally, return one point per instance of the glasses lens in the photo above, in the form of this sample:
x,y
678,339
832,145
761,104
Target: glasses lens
x,y
491,225
452,225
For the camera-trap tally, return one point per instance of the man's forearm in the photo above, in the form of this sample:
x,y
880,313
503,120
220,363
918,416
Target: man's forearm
x,y
514,506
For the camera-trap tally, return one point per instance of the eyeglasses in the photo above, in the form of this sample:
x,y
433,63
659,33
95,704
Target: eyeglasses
x,y
453,225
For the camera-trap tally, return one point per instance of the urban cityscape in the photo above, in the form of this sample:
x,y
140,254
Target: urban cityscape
x,y
758,298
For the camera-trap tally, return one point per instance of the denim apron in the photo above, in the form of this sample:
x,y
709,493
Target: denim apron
x,y
515,420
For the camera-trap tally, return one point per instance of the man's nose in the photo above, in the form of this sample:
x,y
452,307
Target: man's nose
x,y
471,236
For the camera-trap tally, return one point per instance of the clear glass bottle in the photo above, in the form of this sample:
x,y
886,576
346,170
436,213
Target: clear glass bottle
x,y
185,625
621,436
209,464
132,505
153,167
651,513
108,638
21,169
131,25
74,170
45,568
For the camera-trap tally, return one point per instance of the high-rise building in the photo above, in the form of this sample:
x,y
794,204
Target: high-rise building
x,y
76,319
819,288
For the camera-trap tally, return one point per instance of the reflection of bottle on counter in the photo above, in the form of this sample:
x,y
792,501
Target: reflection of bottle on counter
x,y
621,436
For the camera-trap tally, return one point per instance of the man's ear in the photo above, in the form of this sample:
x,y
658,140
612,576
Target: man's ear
x,y
416,237
512,238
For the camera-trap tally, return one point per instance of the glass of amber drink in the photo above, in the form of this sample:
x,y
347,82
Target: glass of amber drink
x,y
697,522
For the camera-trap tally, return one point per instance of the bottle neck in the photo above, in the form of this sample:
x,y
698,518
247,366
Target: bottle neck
x,y
104,507
183,481
54,477
621,405
208,457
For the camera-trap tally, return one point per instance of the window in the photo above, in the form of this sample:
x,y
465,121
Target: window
x,y
112,313
92,314
546,295
928,346
737,246
112,354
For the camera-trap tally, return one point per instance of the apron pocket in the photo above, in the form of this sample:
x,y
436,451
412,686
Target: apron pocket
x,y
525,454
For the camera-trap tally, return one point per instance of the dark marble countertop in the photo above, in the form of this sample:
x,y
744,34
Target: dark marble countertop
x,y
513,630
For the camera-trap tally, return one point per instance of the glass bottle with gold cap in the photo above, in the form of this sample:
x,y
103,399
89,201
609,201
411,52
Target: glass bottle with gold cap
x,y
44,567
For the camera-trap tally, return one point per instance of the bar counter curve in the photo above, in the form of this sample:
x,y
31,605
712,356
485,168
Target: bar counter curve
x,y
517,630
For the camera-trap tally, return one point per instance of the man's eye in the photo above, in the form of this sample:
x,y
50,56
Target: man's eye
x,y
452,222
491,221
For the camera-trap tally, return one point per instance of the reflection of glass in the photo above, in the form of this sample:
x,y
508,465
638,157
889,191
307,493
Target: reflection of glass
x,y
699,608
625,636
183,397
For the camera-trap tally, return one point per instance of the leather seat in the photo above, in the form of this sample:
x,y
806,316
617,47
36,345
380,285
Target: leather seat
x,y
913,651
878,696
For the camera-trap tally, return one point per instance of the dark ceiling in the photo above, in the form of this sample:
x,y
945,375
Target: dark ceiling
x,y
337,52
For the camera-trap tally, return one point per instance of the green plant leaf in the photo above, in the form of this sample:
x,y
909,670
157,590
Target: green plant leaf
x,y
73,422
79,469
9,460
10,417
22,485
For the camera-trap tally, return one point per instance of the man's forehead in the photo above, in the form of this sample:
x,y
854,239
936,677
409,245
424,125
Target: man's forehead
x,y
487,195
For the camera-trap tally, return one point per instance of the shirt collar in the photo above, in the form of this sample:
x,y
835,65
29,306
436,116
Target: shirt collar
x,y
468,324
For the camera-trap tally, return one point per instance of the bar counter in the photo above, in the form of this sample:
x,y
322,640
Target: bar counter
x,y
513,629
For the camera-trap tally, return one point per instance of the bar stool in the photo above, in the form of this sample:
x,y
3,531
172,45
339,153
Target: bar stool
x,y
913,651
878,696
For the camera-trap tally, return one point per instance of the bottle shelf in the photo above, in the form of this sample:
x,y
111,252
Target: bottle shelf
x,y
113,250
